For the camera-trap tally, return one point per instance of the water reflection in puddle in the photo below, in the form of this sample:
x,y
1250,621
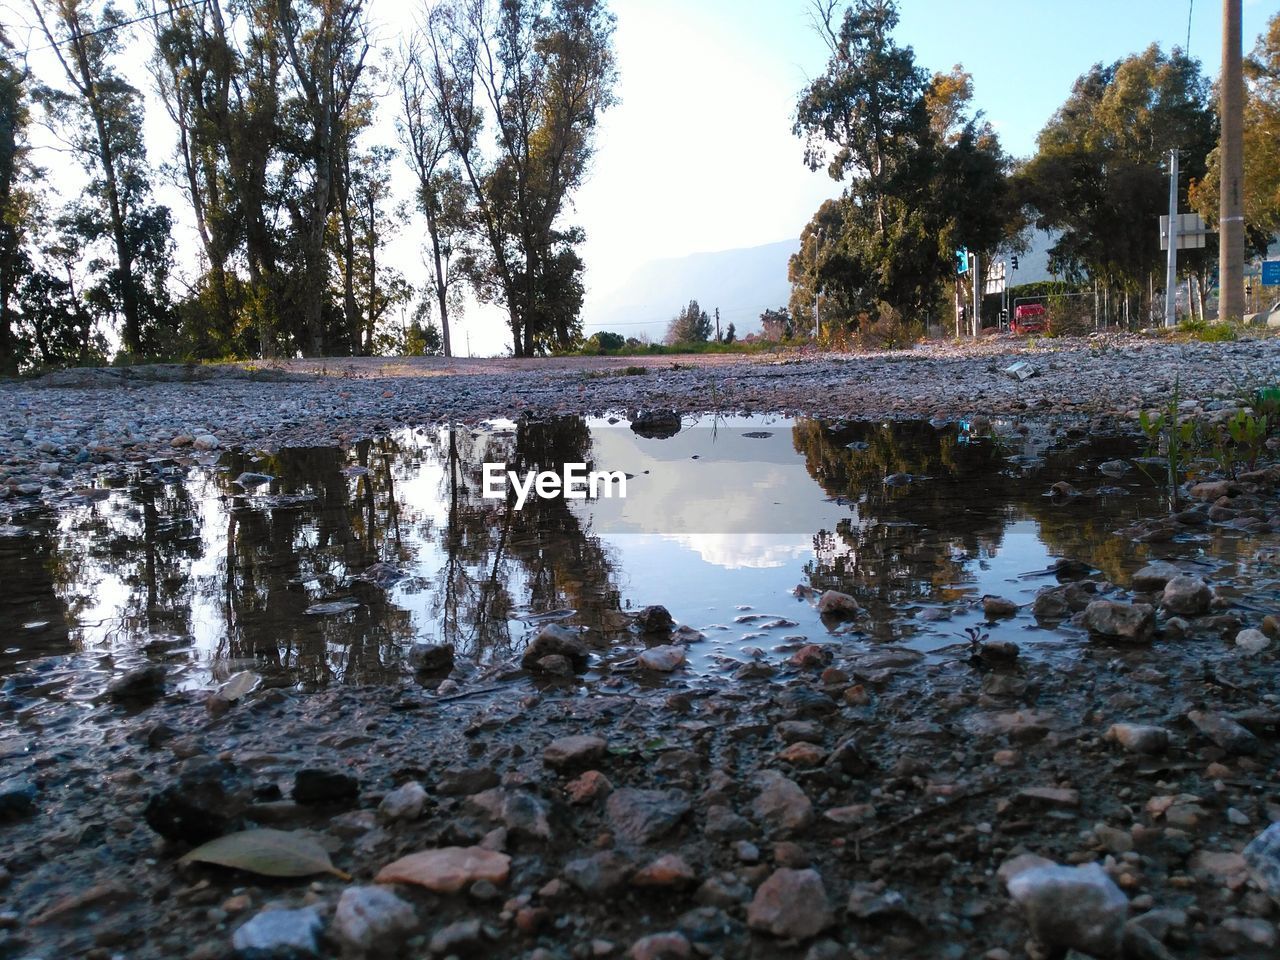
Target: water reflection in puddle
x,y
330,569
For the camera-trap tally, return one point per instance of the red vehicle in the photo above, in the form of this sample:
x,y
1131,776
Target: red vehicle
x,y
1030,318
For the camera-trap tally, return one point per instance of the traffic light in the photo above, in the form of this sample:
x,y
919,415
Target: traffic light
x,y
1015,262
962,260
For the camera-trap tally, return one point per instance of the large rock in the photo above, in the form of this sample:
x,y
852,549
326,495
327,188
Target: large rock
x,y
405,802
602,874
17,798
1155,575
1130,622
324,786
143,685
574,753
280,935
432,658
1072,908
1139,738
663,659
656,424
654,619
791,904
833,603
642,816
781,805
1262,856
448,869
555,640
205,801
1186,596
1224,731
372,920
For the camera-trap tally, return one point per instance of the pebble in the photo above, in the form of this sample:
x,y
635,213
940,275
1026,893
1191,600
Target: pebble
x,y
1072,908
781,804
663,659
1262,856
1131,622
280,935
372,920
448,869
791,904
661,946
1139,738
575,752
836,604
642,816
405,802
1186,596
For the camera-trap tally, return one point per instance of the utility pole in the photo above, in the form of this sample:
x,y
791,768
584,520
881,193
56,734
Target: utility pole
x,y
1231,152
977,298
1171,271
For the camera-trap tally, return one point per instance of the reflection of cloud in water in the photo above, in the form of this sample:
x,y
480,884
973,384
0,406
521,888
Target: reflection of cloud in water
x,y
738,551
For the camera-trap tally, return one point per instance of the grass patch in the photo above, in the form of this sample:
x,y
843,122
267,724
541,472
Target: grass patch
x,y
681,349
1206,332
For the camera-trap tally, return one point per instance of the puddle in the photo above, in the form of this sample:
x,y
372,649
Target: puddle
x,y
721,522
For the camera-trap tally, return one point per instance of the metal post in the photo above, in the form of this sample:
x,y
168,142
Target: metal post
x,y
1231,152
1171,269
977,298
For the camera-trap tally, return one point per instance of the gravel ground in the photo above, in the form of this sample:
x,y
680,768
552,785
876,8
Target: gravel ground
x,y
55,431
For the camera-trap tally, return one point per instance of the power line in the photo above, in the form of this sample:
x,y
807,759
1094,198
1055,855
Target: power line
x,y
117,26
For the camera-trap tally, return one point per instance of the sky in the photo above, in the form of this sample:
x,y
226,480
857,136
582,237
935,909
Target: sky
x,y
699,156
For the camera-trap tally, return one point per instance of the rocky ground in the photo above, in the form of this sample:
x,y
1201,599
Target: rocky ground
x,y
55,430
1113,801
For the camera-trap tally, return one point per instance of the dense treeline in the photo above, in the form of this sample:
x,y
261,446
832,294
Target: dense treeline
x,y
274,104
925,175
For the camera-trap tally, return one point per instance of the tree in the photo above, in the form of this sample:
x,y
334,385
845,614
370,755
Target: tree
x,y
15,197
538,73
690,325
326,42
776,324
1261,147
1098,176
925,174
730,334
102,116
442,195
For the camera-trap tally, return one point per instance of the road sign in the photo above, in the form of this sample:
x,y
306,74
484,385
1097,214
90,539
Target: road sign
x,y
995,281
962,260
1271,273
1191,231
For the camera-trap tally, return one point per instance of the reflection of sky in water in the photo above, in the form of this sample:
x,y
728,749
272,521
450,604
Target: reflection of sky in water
x,y
720,521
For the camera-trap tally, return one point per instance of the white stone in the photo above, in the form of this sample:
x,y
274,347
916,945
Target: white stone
x,y
371,920
405,802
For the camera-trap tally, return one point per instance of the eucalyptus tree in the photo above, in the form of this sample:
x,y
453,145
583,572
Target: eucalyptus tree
x,y
923,173
1098,177
518,86
15,194
327,45
100,116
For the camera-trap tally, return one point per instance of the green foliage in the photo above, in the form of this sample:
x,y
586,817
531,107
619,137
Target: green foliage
x,y
1207,331
777,325
690,325
924,176
422,340
603,341
1098,178
730,334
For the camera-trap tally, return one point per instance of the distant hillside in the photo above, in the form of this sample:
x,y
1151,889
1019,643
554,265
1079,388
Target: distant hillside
x,y
742,283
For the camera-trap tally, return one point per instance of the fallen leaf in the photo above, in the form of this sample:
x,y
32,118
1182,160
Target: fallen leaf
x,y
268,853
240,685
448,869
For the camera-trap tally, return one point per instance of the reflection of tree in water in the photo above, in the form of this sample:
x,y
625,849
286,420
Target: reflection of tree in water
x,y
281,556
911,542
499,562
496,564
147,536
30,596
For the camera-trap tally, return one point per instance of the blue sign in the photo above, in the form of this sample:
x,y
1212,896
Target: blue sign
x,y
962,260
1271,273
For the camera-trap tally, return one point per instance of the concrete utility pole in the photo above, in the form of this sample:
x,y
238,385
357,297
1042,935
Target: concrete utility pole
x,y
1231,153
1171,269
977,298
